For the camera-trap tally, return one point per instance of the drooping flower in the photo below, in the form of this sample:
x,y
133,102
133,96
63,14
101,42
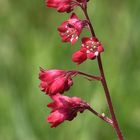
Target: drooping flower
x,y
63,5
54,81
90,49
71,29
64,108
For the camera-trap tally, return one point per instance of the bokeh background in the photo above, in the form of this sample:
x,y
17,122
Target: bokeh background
x,y
29,39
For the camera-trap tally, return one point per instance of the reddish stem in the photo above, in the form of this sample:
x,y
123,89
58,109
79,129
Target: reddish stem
x,y
75,72
101,116
89,22
91,76
104,83
110,105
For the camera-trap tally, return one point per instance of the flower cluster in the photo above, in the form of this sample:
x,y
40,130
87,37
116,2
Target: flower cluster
x,y
71,29
55,82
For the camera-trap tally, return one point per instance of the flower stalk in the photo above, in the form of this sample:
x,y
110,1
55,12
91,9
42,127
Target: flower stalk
x,y
92,77
55,82
104,83
101,116
109,101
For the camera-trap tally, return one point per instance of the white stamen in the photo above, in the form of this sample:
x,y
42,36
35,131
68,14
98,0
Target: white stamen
x,y
76,37
87,51
71,39
67,31
91,49
96,53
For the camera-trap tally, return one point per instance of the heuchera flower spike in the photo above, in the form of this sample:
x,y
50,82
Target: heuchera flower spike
x,y
64,5
65,108
71,29
54,81
90,49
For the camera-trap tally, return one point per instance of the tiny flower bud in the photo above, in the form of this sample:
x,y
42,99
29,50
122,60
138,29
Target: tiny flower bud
x,y
79,57
103,114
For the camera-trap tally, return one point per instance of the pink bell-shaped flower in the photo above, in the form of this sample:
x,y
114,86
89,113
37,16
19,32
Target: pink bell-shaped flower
x,y
64,108
90,49
54,81
71,29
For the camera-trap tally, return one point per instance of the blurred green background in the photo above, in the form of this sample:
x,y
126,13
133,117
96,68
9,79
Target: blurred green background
x,y
29,39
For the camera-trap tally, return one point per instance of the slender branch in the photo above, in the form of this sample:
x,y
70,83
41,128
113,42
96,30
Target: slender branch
x,y
101,116
103,81
91,76
74,72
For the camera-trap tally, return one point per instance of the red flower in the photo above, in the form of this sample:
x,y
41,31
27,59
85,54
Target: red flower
x,y
79,56
64,108
90,48
71,29
54,81
63,5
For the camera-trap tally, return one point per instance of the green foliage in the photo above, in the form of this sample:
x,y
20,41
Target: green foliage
x,y
29,39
